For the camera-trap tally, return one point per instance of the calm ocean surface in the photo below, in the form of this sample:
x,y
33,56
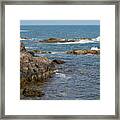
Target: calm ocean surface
x,y
79,77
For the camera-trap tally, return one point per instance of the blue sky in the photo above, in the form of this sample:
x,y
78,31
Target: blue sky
x,y
59,22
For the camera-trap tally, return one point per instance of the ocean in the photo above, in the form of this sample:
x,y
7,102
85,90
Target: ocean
x,y
79,77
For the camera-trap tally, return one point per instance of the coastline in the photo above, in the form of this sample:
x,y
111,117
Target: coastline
x,y
34,72
74,54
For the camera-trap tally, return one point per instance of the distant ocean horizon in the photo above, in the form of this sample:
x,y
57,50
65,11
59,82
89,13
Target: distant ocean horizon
x,y
59,31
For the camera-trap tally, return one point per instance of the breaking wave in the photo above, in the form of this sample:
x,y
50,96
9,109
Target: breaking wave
x,y
81,41
94,48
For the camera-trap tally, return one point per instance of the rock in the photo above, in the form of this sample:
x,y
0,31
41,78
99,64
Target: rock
x,y
32,53
22,48
53,40
58,61
78,52
85,38
32,92
60,40
33,70
39,52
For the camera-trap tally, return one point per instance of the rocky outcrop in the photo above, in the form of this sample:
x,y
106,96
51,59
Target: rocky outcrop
x,y
32,92
60,40
53,40
22,48
39,52
33,71
58,61
78,52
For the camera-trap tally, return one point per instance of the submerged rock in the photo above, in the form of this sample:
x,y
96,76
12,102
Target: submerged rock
x,y
58,61
78,52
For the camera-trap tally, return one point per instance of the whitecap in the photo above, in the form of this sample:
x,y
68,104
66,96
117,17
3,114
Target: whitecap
x,y
77,42
98,38
31,47
95,48
61,75
57,52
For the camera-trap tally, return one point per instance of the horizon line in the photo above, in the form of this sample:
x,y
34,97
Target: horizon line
x,y
59,22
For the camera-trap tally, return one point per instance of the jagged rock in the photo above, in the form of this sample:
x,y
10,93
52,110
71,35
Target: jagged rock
x,y
33,70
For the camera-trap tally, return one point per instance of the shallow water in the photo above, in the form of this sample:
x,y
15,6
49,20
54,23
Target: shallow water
x,y
78,78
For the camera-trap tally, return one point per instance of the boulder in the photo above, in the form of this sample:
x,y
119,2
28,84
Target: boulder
x,y
58,61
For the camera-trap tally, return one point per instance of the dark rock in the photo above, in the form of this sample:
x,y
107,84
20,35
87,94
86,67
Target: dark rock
x,y
85,38
32,53
32,92
49,52
58,61
22,48
53,40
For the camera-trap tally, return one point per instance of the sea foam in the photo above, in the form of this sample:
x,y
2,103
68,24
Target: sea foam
x,y
94,48
98,38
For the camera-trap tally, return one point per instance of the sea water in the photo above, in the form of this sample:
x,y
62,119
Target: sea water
x,y
79,77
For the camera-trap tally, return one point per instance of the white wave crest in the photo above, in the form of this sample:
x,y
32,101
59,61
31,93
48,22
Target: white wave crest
x,y
61,75
31,47
98,38
80,41
77,42
95,48
57,52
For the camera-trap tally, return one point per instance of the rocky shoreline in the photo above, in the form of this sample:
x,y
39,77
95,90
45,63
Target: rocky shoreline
x,y
34,71
60,40
75,52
